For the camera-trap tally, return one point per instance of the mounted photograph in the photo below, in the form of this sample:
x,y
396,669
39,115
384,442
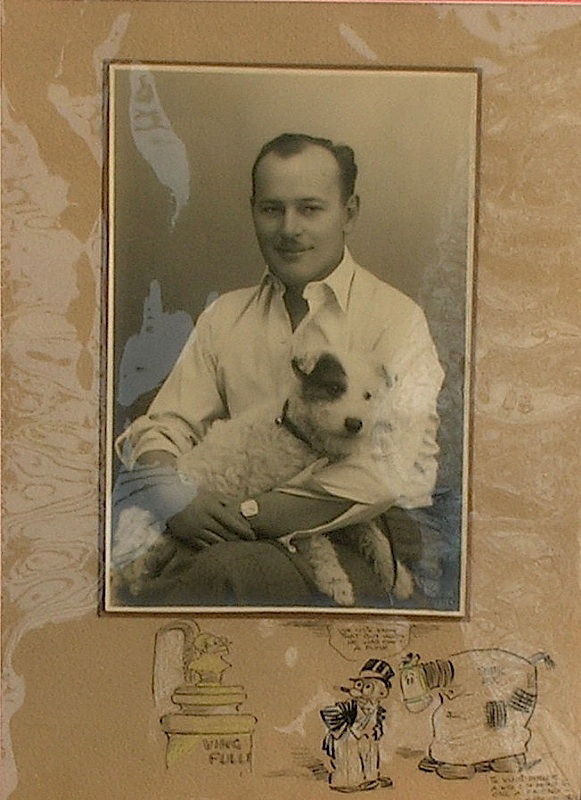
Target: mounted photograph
x,y
287,338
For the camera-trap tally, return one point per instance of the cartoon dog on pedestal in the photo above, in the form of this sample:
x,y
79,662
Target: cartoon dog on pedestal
x,y
200,715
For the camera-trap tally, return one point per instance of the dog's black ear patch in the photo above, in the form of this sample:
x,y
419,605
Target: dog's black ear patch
x,y
327,379
329,368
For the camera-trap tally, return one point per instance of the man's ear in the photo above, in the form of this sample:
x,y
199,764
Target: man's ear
x,y
352,208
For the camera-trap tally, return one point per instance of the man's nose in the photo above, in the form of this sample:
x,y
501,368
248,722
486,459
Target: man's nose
x,y
290,223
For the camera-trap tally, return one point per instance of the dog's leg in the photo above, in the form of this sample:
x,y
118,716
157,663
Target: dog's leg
x,y
404,586
395,578
329,575
376,547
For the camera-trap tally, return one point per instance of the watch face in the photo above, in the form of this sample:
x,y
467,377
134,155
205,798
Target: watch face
x,y
249,508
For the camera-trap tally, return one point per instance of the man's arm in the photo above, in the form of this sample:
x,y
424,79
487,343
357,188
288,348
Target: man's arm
x,y
187,403
280,514
207,519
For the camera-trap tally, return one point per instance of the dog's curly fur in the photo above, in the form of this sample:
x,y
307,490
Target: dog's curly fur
x,y
255,452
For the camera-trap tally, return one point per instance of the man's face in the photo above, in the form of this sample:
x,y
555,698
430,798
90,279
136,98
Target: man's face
x,y
299,214
368,689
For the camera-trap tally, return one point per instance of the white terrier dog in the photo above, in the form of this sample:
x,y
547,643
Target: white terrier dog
x,y
333,411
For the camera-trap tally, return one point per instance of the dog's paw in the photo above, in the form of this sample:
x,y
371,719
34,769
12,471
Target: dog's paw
x,y
132,577
329,575
342,593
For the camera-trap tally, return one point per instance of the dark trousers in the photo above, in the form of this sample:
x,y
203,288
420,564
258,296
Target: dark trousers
x,y
265,573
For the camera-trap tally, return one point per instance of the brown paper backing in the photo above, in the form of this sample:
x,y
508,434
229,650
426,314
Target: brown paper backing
x,y
78,712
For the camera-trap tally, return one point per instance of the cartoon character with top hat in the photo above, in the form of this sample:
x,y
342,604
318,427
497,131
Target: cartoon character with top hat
x,y
355,728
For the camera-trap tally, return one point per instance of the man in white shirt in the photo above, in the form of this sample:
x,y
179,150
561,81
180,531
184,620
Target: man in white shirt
x,y
313,293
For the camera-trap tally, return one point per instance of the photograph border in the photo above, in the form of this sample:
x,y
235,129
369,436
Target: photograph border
x,y
106,438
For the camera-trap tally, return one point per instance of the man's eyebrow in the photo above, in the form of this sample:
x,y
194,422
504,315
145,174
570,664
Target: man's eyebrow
x,y
279,202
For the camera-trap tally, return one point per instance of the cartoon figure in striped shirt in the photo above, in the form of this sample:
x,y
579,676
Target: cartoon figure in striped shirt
x,y
355,728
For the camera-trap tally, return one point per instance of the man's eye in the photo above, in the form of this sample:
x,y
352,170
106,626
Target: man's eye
x,y
334,389
270,211
310,210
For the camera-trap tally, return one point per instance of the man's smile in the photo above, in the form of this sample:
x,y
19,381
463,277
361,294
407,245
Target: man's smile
x,y
291,252
293,248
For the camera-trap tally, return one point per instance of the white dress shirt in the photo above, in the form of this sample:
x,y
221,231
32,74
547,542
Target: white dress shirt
x,y
240,352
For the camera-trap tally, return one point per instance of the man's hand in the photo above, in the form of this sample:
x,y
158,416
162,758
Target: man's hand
x,y
209,519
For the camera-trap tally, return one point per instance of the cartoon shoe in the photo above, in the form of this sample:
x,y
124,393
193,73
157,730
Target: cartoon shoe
x,y
509,763
455,772
428,764
367,785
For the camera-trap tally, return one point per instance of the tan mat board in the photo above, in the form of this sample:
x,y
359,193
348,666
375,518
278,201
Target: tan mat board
x,y
82,700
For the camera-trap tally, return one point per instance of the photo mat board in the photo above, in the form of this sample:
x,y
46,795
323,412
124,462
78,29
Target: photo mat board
x,y
182,139
79,717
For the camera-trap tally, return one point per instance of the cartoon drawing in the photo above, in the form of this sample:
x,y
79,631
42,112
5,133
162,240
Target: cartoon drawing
x,y
188,671
487,698
355,728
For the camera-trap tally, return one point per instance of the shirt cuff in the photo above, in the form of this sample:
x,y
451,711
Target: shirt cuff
x,y
172,435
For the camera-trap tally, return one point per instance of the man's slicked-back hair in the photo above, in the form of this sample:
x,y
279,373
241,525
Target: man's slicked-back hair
x,y
290,144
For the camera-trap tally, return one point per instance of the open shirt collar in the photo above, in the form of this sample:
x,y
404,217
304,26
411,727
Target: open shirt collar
x,y
337,282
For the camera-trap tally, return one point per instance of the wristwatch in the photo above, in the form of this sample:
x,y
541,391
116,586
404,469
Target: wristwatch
x,y
249,508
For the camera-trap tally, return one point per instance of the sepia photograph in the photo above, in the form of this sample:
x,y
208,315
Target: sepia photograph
x,y
290,257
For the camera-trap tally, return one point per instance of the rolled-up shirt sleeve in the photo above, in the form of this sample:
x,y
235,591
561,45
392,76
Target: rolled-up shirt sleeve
x,y
400,465
187,403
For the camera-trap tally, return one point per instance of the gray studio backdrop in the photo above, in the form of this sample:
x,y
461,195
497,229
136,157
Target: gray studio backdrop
x,y
183,143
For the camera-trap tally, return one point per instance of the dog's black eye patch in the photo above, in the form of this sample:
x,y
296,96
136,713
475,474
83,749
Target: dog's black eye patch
x,y
334,389
327,380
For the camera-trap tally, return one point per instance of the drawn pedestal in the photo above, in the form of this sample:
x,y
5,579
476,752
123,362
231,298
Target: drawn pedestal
x,y
209,728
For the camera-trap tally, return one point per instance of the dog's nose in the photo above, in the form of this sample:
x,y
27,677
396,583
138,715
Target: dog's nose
x,y
353,424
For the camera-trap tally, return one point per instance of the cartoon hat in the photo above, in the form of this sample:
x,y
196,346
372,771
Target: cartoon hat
x,y
376,668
